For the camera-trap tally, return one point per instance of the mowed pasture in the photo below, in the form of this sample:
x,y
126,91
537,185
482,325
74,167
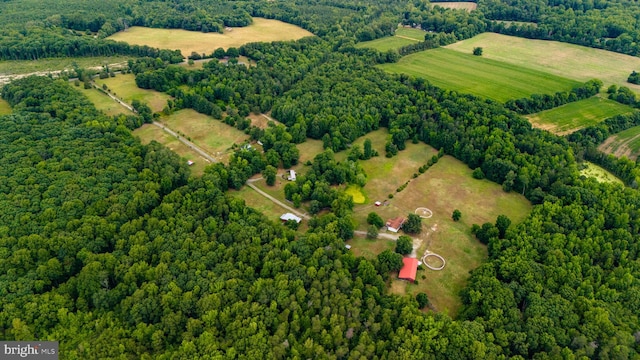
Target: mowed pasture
x,y
625,143
573,116
446,186
599,173
478,75
5,108
262,30
12,67
415,34
386,43
213,136
562,59
460,5
103,102
149,132
124,87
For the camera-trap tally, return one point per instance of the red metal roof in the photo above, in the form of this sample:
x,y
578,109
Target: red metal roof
x,y
408,271
395,223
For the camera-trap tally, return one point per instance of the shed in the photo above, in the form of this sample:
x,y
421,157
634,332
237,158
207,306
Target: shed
x,y
377,203
408,271
189,162
290,216
394,225
292,175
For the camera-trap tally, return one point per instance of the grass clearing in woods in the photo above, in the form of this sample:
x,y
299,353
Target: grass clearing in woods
x,y
124,87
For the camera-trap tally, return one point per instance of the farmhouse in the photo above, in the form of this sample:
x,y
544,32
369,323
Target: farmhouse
x,y
394,225
408,271
292,175
289,216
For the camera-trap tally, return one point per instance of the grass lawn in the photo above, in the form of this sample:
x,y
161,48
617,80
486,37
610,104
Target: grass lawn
x,y
102,102
190,41
625,143
576,115
213,136
9,67
5,108
415,34
148,132
259,202
461,5
370,248
600,174
477,75
562,59
124,86
446,186
386,43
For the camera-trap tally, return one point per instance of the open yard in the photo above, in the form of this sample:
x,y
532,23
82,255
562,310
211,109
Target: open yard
x,y
124,87
562,59
600,174
190,41
625,143
478,75
213,136
5,108
103,102
570,117
148,132
446,186
460,5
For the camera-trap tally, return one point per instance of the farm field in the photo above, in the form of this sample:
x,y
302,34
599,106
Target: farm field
x,y
190,41
446,186
461,5
10,67
576,115
102,102
213,136
149,132
124,86
386,43
5,108
415,34
562,59
259,202
625,143
477,75
599,173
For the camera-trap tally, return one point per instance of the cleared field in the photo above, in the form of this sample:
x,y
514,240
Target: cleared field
x,y
477,75
148,132
600,174
415,34
259,202
386,43
190,41
9,67
213,136
446,186
567,60
124,86
5,108
462,5
370,248
102,102
625,143
568,118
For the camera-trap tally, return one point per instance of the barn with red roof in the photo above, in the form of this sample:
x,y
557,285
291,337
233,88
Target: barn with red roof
x,y
408,271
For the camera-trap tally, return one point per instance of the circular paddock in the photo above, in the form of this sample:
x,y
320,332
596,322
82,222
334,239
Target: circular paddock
x,y
438,268
424,213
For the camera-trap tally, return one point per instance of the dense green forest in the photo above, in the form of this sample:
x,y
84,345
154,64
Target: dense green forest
x,y
110,247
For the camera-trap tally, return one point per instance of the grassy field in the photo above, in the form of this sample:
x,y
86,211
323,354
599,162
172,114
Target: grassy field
x,y
567,60
600,174
259,202
370,248
148,132
124,87
478,75
102,102
9,67
625,143
5,108
386,43
415,34
190,41
576,115
213,136
462,5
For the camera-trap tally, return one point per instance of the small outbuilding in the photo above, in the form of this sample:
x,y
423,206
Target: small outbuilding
x,y
377,203
289,216
292,175
408,271
394,225
189,162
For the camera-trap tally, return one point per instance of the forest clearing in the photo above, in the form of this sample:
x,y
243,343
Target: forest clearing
x,y
266,30
625,143
575,115
457,5
478,75
124,87
386,43
599,173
